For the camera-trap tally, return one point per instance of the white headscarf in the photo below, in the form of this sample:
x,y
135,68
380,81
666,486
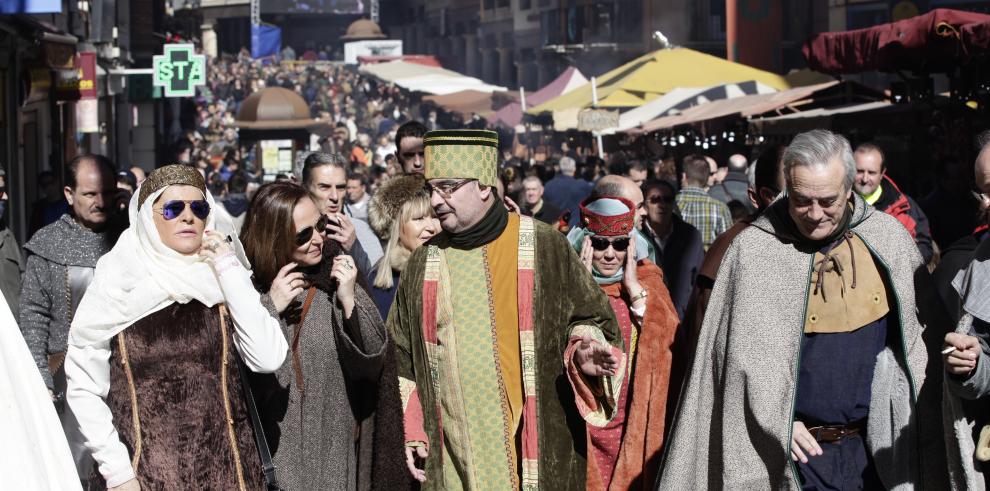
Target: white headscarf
x,y
140,276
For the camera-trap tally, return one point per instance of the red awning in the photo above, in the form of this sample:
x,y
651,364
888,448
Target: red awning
x,y
937,41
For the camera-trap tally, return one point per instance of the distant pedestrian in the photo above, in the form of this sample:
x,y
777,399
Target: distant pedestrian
x,y
710,216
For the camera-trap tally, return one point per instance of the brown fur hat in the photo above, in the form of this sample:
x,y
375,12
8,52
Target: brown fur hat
x,y
387,202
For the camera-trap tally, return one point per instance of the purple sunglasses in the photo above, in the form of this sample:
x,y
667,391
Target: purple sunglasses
x,y
172,209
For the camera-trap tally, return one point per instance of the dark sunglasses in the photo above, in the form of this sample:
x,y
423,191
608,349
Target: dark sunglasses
x,y
656,200
172,209
601,243
305,235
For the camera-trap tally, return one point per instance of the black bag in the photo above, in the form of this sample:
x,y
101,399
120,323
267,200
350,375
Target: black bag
x,y
267,464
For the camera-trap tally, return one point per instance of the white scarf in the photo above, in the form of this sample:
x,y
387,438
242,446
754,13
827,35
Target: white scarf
x,y
140,276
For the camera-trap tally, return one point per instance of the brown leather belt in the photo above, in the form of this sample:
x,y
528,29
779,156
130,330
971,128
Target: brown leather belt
x,y
832,434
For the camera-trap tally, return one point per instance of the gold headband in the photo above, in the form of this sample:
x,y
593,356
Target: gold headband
x,y
171,175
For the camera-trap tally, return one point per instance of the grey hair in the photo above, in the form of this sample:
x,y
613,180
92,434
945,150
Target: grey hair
x,y
320,159
816,148
533,179
567,166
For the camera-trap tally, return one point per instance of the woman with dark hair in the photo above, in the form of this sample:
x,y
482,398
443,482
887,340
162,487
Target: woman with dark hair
x,y
331,422
152,369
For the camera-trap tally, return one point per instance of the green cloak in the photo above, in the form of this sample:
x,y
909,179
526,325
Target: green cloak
x,y
565,296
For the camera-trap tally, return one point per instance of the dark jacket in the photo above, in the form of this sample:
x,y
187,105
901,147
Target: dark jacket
x,y
735,187
955,259
548,214
383,298
900,206
566,193
680,260
11,268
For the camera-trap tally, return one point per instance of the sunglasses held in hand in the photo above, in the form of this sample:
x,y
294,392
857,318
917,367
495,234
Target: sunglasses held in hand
x,y
172,209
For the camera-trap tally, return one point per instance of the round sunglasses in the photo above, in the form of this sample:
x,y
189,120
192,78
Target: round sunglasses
x,y
601,243
305,235
172,209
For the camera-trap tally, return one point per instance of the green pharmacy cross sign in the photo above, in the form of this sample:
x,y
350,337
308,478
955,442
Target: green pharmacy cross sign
x,y
179,70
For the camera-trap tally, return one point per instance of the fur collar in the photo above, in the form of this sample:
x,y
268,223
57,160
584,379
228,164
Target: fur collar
x,y
398,257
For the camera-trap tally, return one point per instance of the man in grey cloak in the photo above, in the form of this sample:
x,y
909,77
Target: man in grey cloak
x,y
811,369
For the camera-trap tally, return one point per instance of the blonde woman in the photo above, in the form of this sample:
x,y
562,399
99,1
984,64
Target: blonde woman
x,y
401,215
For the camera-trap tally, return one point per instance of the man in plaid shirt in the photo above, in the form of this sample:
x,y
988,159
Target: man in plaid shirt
x,y
710,216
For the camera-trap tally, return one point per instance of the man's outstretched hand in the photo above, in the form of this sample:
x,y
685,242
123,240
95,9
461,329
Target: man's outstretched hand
x,y
595,359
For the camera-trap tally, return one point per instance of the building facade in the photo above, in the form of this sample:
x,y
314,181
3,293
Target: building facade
x,y
528,43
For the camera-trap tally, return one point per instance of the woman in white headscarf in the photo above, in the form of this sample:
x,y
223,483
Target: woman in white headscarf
x,y
152,367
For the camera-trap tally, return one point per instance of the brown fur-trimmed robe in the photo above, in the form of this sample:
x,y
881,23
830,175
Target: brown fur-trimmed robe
x,y
175,357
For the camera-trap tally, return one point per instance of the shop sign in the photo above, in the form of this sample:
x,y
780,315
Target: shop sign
x,y
597,119
180,70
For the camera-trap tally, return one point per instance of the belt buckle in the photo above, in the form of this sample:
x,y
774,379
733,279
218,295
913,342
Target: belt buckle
x,y
828,434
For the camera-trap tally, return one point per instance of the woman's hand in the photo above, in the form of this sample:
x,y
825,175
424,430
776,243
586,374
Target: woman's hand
x,y
587,253
286,287
510,205
215,246
344,271
629,279
415,455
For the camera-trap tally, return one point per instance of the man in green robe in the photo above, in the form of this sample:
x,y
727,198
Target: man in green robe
x,y
482,317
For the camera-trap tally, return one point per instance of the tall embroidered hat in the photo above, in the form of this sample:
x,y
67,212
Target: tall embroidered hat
x,y
462,154
608,215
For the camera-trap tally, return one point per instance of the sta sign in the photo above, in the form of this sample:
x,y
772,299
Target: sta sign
x,y
180,70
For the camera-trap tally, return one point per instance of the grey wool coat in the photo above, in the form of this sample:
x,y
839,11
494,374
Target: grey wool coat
x,y
733,425
45,303
311,433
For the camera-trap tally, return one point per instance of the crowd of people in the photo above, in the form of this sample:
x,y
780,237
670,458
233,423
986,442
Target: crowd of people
x,y
412,308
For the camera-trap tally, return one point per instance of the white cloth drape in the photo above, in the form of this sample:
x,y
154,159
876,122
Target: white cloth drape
x,y
34,454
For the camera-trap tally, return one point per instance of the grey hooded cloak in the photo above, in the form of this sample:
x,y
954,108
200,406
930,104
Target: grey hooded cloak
x,y
733,425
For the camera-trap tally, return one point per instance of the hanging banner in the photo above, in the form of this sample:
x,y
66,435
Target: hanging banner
x,y
86,67
88,116
266,40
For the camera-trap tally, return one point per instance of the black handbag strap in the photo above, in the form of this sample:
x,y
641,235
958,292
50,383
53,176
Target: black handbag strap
x,y
267,464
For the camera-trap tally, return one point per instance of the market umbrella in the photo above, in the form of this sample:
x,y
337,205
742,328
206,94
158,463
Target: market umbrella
x,y
464,102
275,108
511,115
416,77
657,73
683,97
